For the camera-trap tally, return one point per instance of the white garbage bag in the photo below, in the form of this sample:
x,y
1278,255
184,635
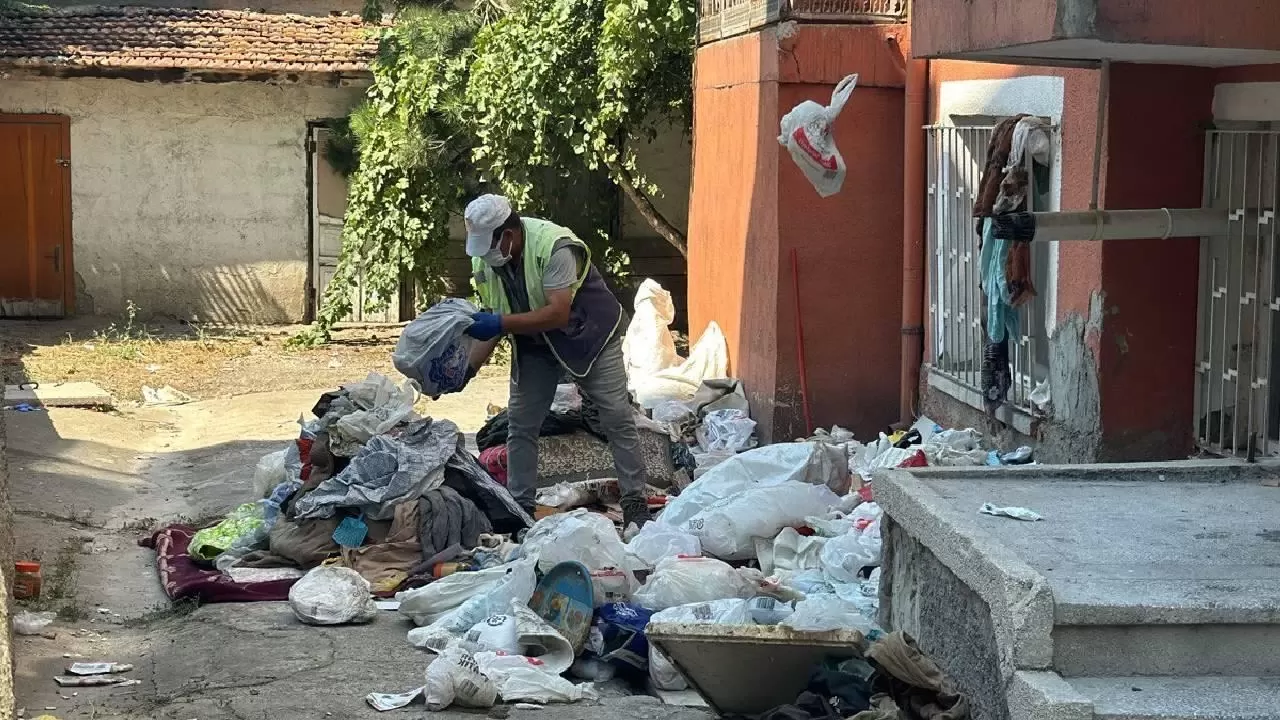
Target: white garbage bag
x,y
809,462
708,358
843,557
663,672
789,552
434,350
453,677
819,613
578,536
525,679
648,346
269,473
440,599
496,633
729,611
726,431
332,596
680,581
657,541
806,134
728,528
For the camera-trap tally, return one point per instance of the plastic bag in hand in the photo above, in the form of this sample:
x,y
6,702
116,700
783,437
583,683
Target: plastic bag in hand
x,y
806,134
680,581
434,350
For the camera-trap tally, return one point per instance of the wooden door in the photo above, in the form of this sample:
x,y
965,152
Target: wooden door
x,y
35,216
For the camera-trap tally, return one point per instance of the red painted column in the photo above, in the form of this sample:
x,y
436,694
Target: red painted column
x,y
750,206
1155,158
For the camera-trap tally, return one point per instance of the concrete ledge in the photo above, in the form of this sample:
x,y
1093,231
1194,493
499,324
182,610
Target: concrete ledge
x,y
71,394
1182,471
1108,651
1020,598
1046,696
1242,601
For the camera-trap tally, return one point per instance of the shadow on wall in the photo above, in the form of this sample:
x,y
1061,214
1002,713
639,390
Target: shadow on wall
x,y
225,294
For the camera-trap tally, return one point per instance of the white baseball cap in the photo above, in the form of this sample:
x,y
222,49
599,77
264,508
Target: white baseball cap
x,y
483,216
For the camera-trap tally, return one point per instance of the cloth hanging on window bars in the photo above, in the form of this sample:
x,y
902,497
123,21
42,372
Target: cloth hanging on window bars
x,y
1005,251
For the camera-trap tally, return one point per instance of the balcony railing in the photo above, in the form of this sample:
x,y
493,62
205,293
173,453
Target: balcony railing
x,y
719,19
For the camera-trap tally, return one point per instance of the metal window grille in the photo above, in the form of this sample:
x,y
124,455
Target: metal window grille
x,y
1237,410
957,155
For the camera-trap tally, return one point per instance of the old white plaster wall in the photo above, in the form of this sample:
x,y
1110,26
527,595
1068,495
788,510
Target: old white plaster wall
x,y
188,199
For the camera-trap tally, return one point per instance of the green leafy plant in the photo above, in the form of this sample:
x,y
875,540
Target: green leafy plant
x,y
526,98
563,84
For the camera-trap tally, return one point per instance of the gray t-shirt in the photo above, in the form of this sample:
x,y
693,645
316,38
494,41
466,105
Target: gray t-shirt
x,y
562,270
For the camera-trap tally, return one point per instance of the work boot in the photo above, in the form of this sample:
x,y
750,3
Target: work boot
x,y
635,510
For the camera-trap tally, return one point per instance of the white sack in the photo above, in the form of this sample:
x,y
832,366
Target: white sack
x,y
680,581
657,541
731,611
809,462
453,677
524,679
728,528
648,346
578,536
431,603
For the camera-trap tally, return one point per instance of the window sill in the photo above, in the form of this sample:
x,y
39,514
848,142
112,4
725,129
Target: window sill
x,y
1016,418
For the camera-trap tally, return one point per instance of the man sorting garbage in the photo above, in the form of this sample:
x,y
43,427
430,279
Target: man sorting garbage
x,y
537,283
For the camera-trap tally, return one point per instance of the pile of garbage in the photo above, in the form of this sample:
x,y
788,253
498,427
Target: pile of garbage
x,y
375,509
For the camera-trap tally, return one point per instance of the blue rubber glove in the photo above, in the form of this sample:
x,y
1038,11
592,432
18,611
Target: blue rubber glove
x,y
485,326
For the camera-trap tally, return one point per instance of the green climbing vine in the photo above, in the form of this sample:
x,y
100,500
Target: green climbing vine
x,y
527,99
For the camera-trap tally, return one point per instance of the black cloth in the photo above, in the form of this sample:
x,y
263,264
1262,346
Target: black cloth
x,y
849,694
465,475
494,432
322,405
808,706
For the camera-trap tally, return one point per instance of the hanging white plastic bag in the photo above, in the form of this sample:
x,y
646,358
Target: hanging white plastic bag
x,y
648,346
332,596
657,541
728,528
453,677
426,605
434,350
680,581
726,431
806,134
578,536
820,613
523,679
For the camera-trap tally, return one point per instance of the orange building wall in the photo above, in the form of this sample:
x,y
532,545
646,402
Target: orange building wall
x,y
750,205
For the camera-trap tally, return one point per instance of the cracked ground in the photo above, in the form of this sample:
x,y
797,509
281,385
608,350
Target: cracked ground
x,y
85,485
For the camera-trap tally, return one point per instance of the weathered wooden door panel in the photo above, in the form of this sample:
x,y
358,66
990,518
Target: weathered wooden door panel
x,y
35,238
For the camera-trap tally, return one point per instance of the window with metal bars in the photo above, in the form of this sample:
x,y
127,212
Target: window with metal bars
x,y
1237,411
957,154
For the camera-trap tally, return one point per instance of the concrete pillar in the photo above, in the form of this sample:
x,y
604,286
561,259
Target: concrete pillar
x,y
750,206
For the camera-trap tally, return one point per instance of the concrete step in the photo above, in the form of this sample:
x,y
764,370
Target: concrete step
x,y
1181,698
1154,626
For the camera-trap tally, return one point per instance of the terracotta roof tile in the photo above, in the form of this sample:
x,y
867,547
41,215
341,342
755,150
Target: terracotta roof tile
x,y
137,37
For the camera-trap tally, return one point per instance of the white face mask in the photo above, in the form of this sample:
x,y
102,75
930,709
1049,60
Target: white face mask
x,y
495,256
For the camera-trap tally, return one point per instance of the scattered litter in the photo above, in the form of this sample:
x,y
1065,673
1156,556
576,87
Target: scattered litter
x,y
1017,513
389,605
32,623
164,396
91,681
99,668
394,701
